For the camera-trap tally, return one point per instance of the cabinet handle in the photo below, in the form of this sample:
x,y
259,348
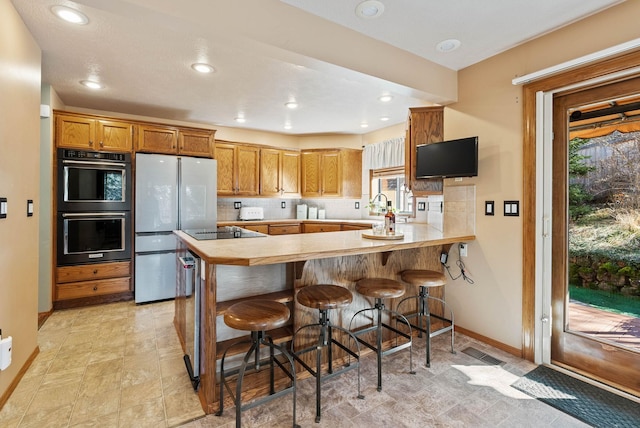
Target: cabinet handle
x,y
101,143
95,288
91,143
95,271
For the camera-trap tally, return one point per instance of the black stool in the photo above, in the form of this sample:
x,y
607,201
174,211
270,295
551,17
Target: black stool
x,y
424,280
257,316
379,289
325,297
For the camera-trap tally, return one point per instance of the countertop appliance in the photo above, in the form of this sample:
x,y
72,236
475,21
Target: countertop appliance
x,y
172,192
301,211
223,232
251,213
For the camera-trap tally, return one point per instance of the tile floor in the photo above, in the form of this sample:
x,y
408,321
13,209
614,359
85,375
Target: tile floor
x,y
120,365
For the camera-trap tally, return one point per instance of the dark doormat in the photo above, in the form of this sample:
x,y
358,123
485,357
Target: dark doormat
x,y
583,401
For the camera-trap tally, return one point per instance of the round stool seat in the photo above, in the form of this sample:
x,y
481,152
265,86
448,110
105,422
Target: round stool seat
x,y
424,278
324,296
380,288
257,315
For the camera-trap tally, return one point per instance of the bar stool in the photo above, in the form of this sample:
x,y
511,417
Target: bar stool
x,y
379,289
256,316
325,297
424,280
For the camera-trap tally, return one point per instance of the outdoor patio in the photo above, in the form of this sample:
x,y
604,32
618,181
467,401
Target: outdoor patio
x,y
620,329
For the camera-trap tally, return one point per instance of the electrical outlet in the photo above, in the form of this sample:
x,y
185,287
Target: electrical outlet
x,y
463,250
237,205
357,205
283,204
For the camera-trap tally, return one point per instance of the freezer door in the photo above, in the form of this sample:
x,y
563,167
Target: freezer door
x,y
155,277
198,193
156,193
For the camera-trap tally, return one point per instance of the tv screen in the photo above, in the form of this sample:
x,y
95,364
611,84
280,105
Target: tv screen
x,y
452,158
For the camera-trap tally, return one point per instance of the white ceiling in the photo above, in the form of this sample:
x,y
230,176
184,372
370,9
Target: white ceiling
x,y
266,52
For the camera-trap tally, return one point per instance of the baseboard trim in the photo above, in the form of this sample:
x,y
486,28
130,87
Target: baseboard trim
x,y
506,348
42,317
18,378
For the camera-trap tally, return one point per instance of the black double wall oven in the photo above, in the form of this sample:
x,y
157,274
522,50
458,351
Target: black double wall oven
x,y
94,207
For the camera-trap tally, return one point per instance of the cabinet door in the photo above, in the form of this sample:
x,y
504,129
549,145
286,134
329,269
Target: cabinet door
x,y
290,176
270,172
331,174
311,185
424,126
195,143
156,139
225,155
75,132
114,136
248,170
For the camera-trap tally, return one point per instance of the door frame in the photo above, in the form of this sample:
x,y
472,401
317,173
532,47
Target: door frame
x,y
533,330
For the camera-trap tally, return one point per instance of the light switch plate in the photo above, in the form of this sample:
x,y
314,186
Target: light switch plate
x,y
422,206
29,207
489,208
357,205
512,208
283,204
237,205
3,207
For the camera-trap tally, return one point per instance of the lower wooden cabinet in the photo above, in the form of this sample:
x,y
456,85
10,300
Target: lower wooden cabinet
x,y
261,228
75,282
321,227
285,229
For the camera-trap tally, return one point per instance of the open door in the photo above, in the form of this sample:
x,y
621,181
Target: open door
x,y
573,346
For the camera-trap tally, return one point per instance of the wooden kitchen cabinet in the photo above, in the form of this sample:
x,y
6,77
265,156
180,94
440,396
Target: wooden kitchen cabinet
x,y
321,227
100,279
238,169
175,141
157,139
332,173
92,133
350,226
425,125
279,173
285,229
193,142
261,228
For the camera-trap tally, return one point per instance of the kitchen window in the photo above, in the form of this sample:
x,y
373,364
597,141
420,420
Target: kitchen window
x,y
389,182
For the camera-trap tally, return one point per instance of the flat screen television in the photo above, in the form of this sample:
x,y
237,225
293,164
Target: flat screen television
x,y
452,158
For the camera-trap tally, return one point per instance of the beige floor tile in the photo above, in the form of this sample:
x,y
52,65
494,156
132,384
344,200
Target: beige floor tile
x,y
130,395
50,418
148,413
102,421
54,397
92,386
88,407
182,406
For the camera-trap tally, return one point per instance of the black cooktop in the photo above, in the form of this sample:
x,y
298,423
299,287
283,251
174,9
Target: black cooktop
x,y
222,232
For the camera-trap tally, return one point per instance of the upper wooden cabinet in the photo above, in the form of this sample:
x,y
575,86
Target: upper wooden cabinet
x,y
89,133
332,173
171,140
425,125
279,173
238,169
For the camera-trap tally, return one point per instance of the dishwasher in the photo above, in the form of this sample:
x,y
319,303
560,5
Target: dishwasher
x,y
193,297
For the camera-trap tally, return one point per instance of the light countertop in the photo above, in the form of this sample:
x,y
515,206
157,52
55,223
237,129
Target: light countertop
x,y
306,246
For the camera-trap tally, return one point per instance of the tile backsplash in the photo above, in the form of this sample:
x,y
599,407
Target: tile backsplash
x,y
343,209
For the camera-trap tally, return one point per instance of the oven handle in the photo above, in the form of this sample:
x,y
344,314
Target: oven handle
x,y
93,163
102,214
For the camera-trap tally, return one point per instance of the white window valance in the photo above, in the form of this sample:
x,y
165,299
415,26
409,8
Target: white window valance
x,y
386,154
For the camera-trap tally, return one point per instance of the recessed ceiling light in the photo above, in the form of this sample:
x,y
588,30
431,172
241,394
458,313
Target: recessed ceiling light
x,y
369,9
364,125
201,67
240,119
70,15
291,105
287,126
91,84
384,118
385,98
448,45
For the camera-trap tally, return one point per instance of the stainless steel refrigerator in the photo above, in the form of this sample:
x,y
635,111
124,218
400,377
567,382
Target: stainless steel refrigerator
x,y
172,192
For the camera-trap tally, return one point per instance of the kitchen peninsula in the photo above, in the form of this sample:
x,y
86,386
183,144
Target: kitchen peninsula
x,y
234,270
